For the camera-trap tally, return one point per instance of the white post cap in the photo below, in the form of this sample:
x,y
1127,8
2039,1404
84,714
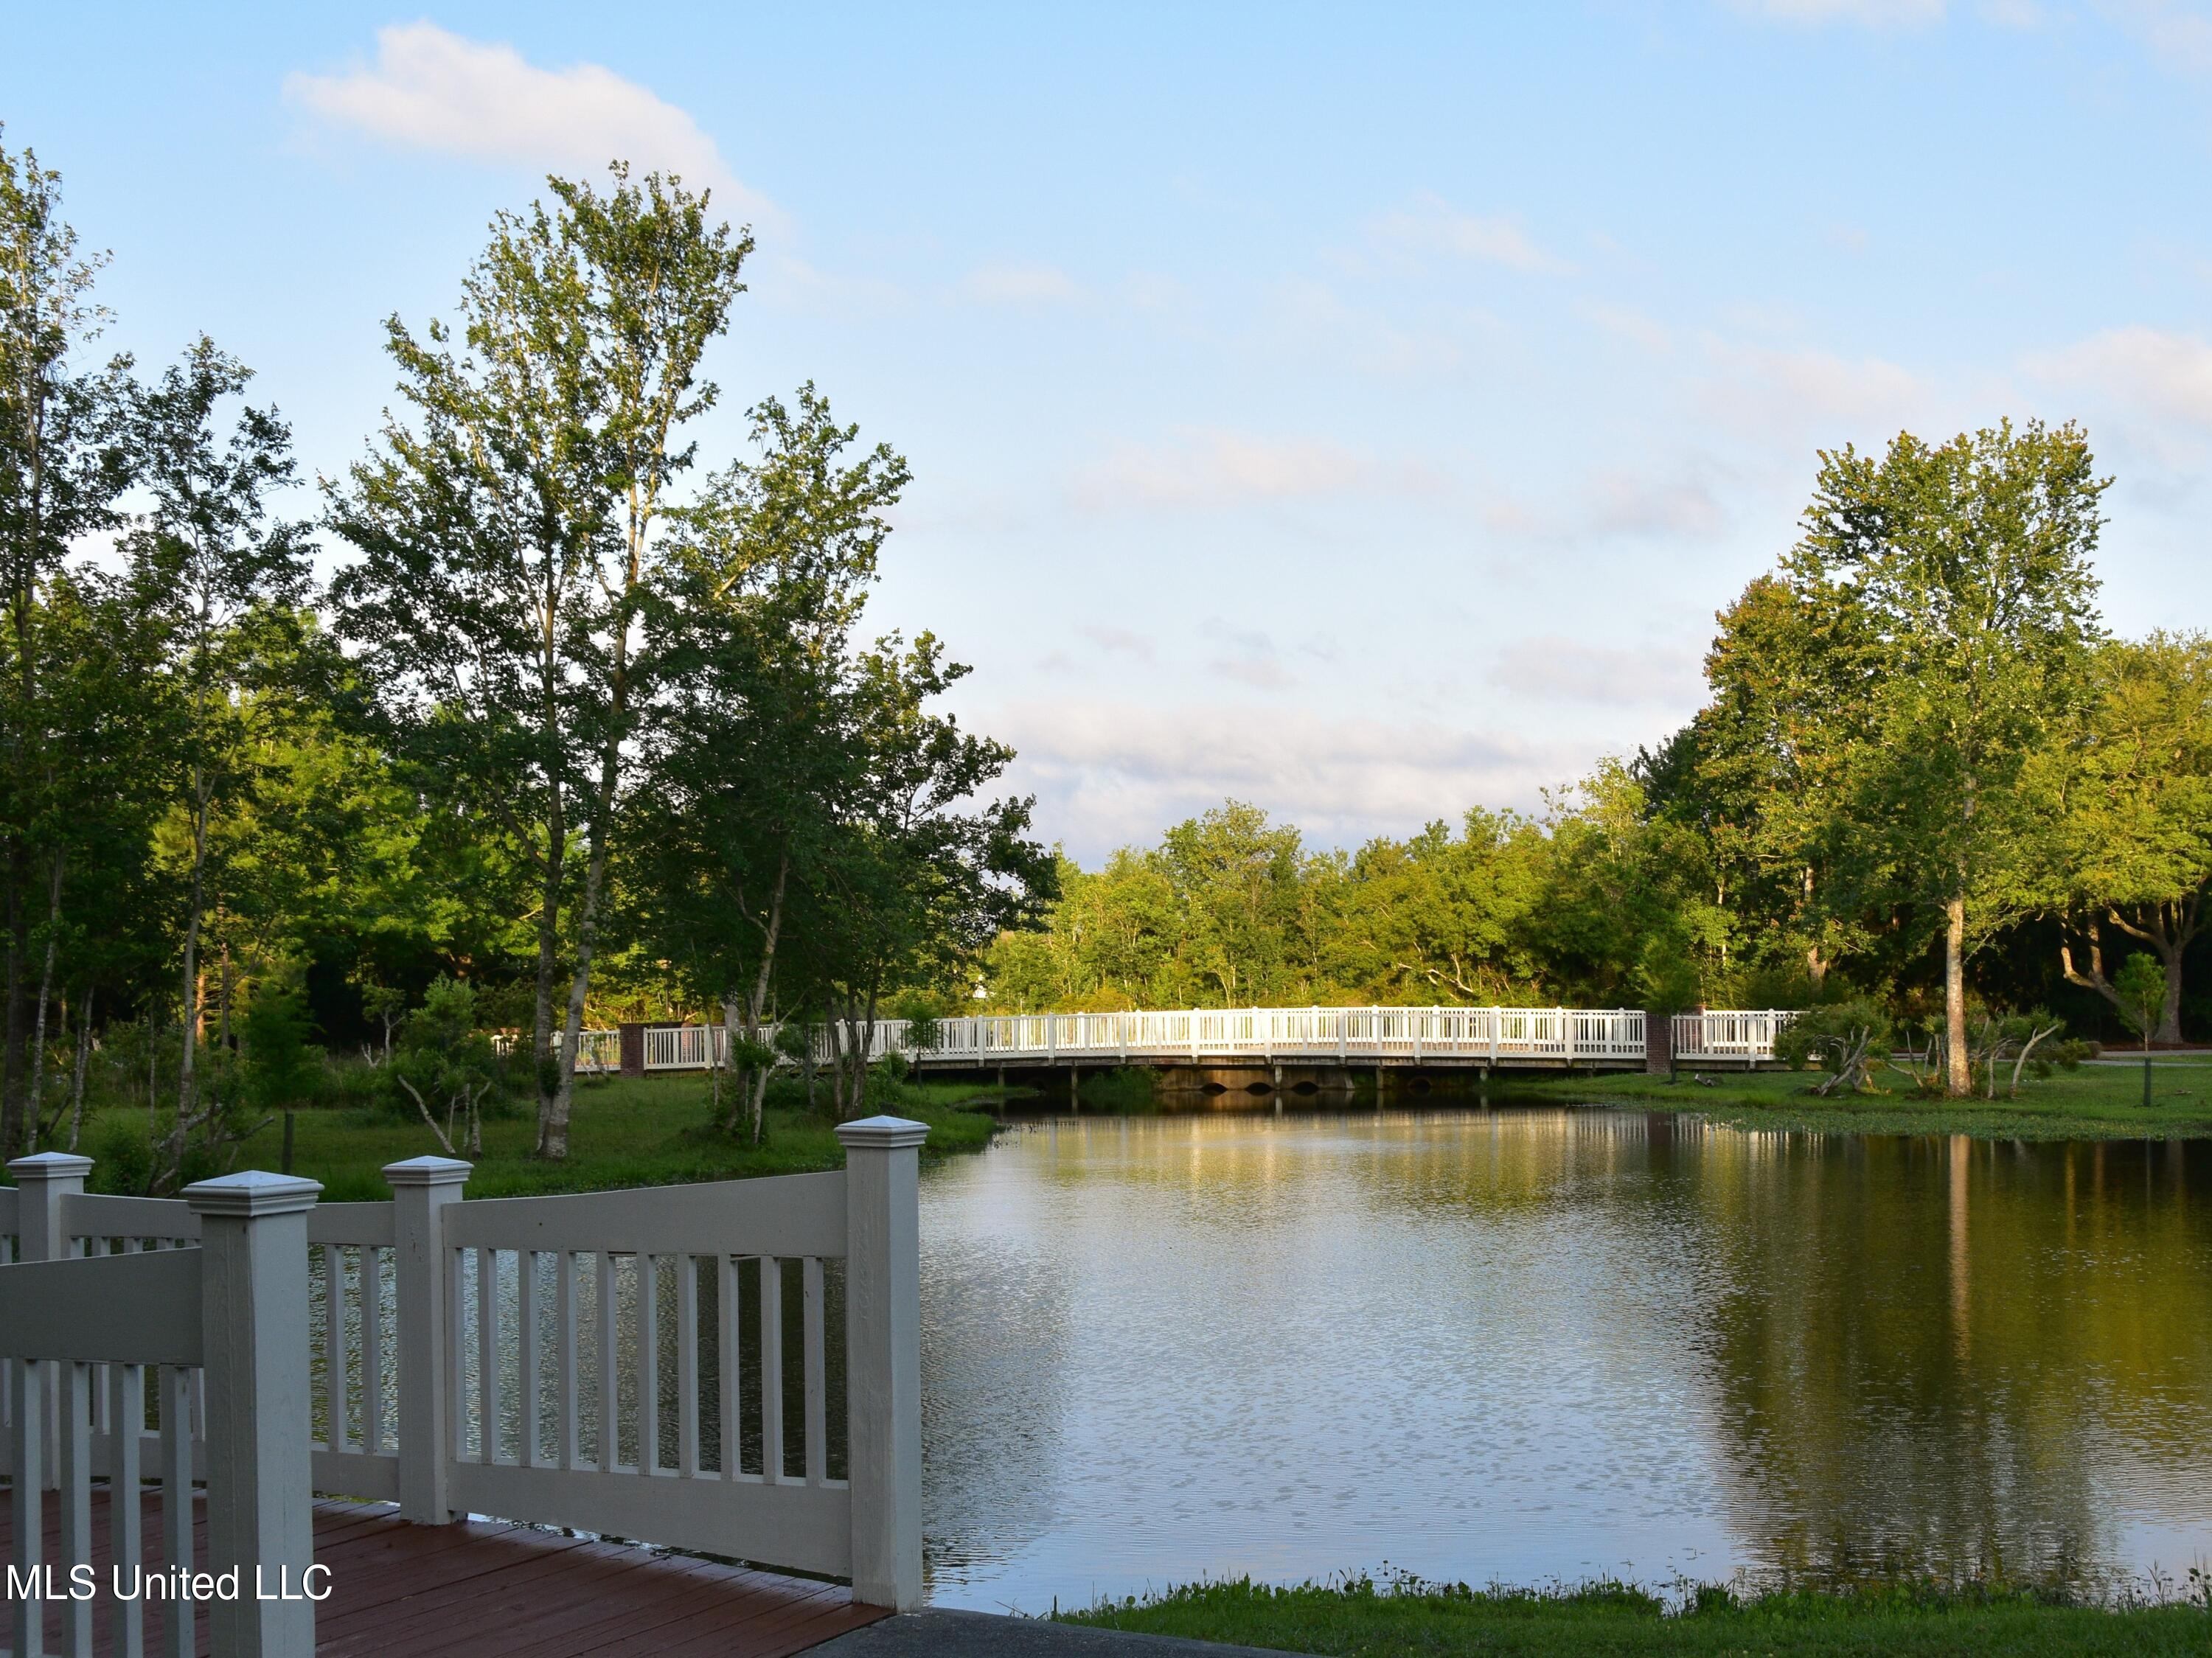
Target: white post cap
x,y
428,1171
50,1165
882,1133
252,1192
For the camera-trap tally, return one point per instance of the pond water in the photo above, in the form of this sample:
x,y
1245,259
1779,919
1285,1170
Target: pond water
x,y
1532,1343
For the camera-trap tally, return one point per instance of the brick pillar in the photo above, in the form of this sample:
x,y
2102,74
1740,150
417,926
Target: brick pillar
x,y
633,1048
1658,1043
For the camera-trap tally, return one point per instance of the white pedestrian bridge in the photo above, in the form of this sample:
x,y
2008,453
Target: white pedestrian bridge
x,y
1480,1038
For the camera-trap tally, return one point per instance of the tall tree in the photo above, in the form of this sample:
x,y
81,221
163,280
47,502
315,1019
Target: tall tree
x,y
224,583
511,535
753,753
61,465
1970,562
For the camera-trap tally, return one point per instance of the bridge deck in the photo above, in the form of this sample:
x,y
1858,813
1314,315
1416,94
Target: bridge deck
x,y
403,1591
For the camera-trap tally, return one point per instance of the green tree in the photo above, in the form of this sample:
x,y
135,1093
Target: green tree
x,y
2132,844
1236,880
2140,994
61,465
923,870
221,582
512,536
1969,562
753,753
447,1066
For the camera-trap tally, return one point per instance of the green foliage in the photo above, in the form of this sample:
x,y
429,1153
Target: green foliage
x,y
282,1068
2140,989
1846,1039
445,1064
1600,902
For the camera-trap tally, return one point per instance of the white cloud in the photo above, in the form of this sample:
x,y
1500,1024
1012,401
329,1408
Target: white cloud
x,y
2179,36
1210,467
1434,225
2140,370
1120,641
1681,502
1622,503
1119,773
1624,322
1019,284
1784,395
429,89
1869,14
1551,668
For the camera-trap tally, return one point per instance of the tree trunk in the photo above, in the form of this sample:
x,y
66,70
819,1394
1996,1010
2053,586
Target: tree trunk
x,y
36,1095
188,1021
1959,1078
76,1077
15,1127
549,957
757,1003
2094,978
553,1125
732,1033
2167,929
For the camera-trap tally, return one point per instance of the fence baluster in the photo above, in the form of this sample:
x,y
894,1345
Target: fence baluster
x,y
127,1410
488,1354
74,1439
372,1350
687,1364
725,1338
648,1362
526,1382
818,1405
610,1410
564,1315
771,1360
26,1451
178,1630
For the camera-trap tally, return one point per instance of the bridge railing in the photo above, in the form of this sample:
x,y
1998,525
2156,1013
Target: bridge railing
x,y
1729,1033
1346,1035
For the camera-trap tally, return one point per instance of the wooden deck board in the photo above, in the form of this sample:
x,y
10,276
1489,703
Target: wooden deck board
x,y
484,1586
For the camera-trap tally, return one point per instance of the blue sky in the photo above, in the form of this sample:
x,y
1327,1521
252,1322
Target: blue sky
x,y
1360,410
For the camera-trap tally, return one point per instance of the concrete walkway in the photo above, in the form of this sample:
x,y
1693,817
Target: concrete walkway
x,y
946,1634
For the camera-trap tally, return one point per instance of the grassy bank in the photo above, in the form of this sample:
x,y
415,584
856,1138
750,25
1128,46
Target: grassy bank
x,y
646,1131
1430,1621
2096,1101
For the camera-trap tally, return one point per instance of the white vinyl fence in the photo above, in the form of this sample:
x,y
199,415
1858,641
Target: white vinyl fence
x,y
1344,1036
220,1332
731,1367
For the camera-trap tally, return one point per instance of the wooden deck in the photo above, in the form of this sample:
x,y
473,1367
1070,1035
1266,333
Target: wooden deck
x,y
403,1591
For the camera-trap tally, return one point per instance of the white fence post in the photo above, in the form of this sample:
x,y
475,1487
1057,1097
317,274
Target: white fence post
x,y
421,1189
253,1311
883,1348
44,1182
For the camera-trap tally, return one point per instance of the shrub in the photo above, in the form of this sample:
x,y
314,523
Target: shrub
x,y
1846,1039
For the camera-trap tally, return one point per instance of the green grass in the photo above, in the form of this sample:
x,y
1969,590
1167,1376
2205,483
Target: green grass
x,y
1409,1619
2096,1101
625,1132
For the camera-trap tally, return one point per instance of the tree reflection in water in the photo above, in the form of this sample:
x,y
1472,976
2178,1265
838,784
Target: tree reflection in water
x,y
1526,1343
